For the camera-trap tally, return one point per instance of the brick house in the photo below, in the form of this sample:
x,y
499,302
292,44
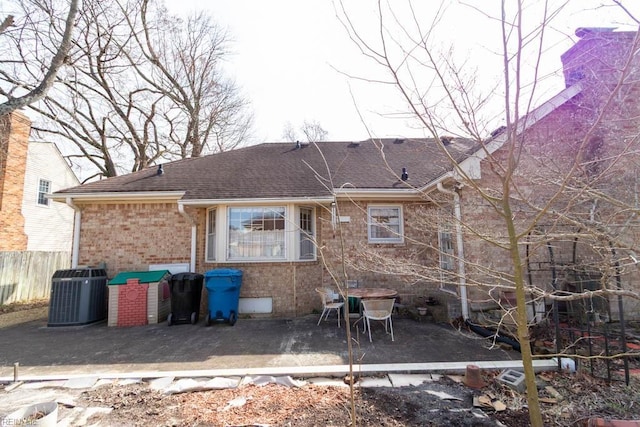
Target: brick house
x,y
29,171
278,211
578,158
260,209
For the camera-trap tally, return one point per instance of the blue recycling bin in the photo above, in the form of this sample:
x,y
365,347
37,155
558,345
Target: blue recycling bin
x,y
223,286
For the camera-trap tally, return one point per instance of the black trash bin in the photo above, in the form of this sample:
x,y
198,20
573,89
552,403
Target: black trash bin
x,y
186,292
223,286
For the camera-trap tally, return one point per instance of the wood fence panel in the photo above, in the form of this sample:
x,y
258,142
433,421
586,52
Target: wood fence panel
x,y
26,275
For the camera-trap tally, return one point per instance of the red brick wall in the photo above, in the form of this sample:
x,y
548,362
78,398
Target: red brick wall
x,y
14,139
129,237
366,262
132,303
290,284
593,137
598,57
549,151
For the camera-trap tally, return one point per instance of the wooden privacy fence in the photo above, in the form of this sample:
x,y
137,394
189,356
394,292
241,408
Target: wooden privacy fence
x,y
26,275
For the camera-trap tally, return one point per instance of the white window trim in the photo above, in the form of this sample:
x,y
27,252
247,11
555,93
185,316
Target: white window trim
x,y
291,229
47,202
297,233
397,239
206,237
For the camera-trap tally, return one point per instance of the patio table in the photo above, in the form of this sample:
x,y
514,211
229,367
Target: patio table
x,y
370,293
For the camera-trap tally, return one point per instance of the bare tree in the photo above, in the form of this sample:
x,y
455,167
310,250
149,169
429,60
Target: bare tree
x,y
311,130
143,85
289,133
188,57
6,23
42,75
543,189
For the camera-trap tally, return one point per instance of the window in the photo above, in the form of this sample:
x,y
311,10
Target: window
x,y
211,235
260,233
307,247
256,233
44,188
447,259
385,224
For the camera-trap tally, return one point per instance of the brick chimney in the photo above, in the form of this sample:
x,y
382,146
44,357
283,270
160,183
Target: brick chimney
x,y
599,56
14,140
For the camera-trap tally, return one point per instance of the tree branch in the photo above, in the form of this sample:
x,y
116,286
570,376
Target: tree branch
x,y
41,90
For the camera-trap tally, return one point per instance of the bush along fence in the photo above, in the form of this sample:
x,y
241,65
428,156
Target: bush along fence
x,y
26,275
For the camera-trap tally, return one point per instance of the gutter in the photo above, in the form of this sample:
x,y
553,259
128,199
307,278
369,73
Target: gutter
x,y
147,196
75,249
459,243
382,194
253,201
192,259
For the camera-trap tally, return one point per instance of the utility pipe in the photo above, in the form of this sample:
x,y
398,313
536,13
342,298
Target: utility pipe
x,y
75,250
192,261
459,242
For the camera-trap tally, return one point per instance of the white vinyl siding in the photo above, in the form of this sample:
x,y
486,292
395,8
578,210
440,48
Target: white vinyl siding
x,y
47,228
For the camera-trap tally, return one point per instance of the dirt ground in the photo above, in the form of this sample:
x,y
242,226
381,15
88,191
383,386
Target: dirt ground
x,y
567,399
13,314
447,402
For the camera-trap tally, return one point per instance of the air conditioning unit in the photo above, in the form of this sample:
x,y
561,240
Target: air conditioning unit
x,y
78,297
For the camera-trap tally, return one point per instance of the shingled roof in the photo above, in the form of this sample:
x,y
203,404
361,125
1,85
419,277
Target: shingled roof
x,y
286,170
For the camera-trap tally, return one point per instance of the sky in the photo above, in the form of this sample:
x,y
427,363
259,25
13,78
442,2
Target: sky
x,y
293,58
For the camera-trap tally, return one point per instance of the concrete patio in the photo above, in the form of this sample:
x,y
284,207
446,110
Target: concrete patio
x,y
268,345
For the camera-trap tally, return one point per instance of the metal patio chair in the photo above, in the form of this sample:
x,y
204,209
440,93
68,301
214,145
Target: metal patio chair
x,y
329,302
378,309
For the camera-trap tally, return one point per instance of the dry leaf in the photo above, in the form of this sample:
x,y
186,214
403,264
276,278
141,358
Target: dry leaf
x,y
545,377
553,392
456,378
499,406
485,400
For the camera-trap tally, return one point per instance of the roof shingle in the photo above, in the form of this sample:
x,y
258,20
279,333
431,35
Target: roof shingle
x,y
281,170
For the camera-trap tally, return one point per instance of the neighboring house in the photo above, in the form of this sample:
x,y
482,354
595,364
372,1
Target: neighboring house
x,y
261,208
48,225
29,171
579,159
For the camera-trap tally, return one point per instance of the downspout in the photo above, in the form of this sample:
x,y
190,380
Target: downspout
x,y
459,243
75,249
192,261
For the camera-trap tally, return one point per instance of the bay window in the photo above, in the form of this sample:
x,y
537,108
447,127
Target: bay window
x,y
260,233
211,235
256,233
